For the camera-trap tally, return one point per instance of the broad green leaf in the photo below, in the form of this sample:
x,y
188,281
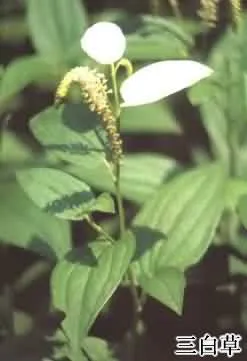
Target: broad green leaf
x,y
93,348
166,285
97,349
242,210
212,101
24,225
83,282
141,174
13,149
61,194
235,189
56,26
70,135
157,39
151,118
23,72
176,226
74,134
242,162
201,92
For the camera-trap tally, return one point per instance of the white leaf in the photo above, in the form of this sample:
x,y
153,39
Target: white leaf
x,y
158,80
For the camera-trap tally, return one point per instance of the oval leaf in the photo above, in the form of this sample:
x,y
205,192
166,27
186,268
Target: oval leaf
x,y
73,133
61,194
166,285
84,281
56,26
141,174
186,212
24,225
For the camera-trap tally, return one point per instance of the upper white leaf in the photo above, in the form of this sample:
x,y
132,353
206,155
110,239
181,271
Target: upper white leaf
x,y
160,79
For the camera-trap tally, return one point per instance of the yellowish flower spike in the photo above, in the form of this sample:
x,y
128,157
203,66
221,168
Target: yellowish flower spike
x,y
94,92
158,80
104,42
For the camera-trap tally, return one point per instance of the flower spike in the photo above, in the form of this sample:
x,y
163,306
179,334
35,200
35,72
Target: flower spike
x,y
94,93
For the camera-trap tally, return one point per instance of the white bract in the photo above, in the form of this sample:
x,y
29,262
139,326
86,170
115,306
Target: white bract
x,y
158,80
104,42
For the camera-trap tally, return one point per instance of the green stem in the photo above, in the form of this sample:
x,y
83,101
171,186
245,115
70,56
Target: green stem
x,y
121,212
116,96
117,165
99,229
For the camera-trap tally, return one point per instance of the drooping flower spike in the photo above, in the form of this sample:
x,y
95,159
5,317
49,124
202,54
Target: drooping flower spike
x,y
94,91
105,43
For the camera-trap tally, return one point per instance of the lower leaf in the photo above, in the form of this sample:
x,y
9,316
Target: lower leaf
x,y
85,280
167,286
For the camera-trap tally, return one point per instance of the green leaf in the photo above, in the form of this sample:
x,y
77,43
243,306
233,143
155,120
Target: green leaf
x,y
212,100
239,243
235,189
82,284
97,349
182,216
70,135
24,225
21,73
56,26
166,285
222,97
13,149
237,266
74,134
61,194
151,118
175,228
242,210
201,92
157,39
141,174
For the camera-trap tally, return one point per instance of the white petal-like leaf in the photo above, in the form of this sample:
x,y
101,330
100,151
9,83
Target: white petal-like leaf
x,y
158,80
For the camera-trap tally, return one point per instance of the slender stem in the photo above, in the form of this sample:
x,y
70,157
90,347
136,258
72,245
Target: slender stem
x,y
116,96
117,165
119,202
99,229
121,212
